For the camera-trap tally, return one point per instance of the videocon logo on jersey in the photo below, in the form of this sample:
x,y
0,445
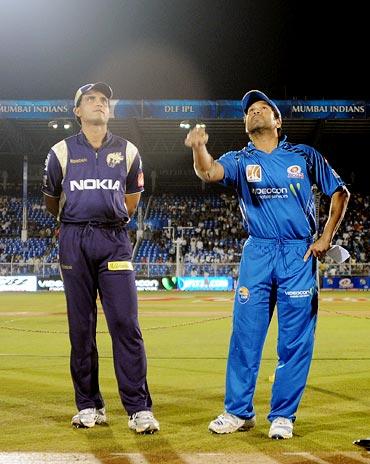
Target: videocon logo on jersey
x,y
266,193
295,189
299,293
94,184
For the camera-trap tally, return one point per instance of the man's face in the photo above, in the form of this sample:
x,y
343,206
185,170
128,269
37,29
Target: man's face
x,y
260,116
93,108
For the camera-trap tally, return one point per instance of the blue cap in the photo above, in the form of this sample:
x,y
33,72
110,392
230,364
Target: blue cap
x,y
105,89
256,95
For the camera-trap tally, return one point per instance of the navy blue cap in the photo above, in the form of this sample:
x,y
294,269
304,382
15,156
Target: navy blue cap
x,y
105,89
256,95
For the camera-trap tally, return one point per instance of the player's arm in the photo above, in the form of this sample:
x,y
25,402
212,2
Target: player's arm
x,y
338,206
134,182
132,200
52,205
52,184
205,167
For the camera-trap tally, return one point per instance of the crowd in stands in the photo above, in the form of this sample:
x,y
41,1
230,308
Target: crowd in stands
x,y
207,227
204,233
354,232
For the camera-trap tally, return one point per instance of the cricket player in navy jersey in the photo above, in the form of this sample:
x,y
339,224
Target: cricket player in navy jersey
x,y
273,179
92,183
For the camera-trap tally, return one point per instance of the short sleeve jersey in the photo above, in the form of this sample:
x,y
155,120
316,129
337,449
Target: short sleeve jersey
x,y
91,184
275,189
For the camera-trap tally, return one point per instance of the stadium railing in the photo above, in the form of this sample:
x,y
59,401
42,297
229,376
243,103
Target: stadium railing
x,y
155,269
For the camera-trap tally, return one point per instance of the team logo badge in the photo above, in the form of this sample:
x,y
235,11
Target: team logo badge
x,y
114,158
243,295
345,283
254,173
295,172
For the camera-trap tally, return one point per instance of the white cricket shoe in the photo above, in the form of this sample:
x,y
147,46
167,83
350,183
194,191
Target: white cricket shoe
x,y
281,428
143,422
228,423
87,418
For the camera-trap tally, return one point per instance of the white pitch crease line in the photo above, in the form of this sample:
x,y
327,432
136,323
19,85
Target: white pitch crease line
x,y
259,458
357,456
47,458
134,458
309,456
220,458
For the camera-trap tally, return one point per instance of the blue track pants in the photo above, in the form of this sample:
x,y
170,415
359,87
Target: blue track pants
x,y
272,272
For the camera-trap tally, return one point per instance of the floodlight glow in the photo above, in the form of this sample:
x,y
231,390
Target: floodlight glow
x,y
189,124
185,125
53,125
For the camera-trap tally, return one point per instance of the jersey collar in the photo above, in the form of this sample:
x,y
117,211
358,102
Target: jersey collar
x,y
250,147
81,138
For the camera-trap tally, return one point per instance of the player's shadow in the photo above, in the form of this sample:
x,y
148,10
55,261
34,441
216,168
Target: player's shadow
x,y
164,453
154,448
335,394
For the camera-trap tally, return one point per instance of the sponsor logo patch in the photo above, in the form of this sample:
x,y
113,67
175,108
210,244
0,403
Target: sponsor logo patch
x,y
120,266
66,266
299,293
94,184
254,173
294,189
78,160
243,295
266,193
295,172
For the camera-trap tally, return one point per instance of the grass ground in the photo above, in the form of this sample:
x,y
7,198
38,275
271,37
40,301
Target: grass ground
x,y
186,338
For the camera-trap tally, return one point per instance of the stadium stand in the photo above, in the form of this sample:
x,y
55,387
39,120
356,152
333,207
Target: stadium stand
x,y
194,234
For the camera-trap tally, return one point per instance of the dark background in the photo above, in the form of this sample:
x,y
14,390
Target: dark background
x,y
206,49
187,49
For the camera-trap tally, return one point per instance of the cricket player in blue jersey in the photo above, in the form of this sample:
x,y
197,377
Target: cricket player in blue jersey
x,y
92,183
274,180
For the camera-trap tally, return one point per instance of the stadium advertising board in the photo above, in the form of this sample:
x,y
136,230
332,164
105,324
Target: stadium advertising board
x,y
186,109
55,284
51,284
18,284
153,284
346,283
208,284
147,285
36,109
180,109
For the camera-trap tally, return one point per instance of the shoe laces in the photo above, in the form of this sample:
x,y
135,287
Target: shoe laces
x,y
225,418
283,421
87,411
142,415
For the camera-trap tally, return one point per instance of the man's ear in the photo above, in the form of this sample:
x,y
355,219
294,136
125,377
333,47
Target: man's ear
x,y
76,111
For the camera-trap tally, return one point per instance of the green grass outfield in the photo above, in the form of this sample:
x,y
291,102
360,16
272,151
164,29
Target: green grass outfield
x,y
186,337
